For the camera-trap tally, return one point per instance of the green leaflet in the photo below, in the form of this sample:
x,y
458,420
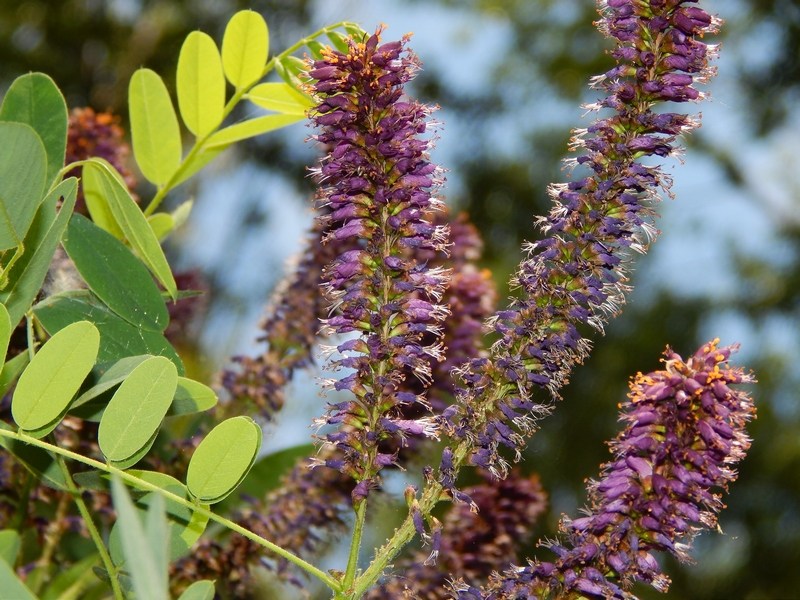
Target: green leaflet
x,y
23,179
137,409
191,397
53,377
115,275
109,378
154,127
11,585
34,99
5,330
133,223
25,278
280,97
96,202
250,128
223,459
200,84
199,590
9,546
245,47
118,338
144,562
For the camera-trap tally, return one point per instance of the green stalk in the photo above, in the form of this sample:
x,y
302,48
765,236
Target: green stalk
x,y
355,546
332,583
93,532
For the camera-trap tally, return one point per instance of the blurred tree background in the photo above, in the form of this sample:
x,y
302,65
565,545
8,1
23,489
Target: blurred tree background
x,y
509,76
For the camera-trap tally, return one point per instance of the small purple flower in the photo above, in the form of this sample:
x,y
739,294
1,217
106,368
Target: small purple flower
x,y
378,187
652,496
575,277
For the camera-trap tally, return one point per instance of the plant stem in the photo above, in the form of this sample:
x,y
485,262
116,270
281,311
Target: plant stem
x,y
93,532
199,508
355,546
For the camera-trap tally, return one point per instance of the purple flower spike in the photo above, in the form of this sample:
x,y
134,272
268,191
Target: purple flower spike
x,y
575,277
651,497
378,187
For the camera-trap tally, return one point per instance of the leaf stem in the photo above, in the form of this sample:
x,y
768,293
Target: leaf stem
x,y
199,508
92,528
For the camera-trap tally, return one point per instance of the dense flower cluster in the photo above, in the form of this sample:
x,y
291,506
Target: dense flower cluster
x,y
575,277
474,544
378,185
685,431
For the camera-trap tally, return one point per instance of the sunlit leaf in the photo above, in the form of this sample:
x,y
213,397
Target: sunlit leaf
x,y
9,546
251,128
94,194
162,224
290,68
26,277
118,338
133,224
339,41
280,97
54,376
154,127
34,99
11,585
223,459
192,397
23,176
147,574
115,275
245,47
109,378
135,412
199,590
201,84
5,331
198,161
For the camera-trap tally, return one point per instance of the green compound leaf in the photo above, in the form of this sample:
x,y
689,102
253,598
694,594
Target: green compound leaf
x,y
199,590
23,177
35,99
54,376
201,84
245,47
162,225
223,459
147,573
280,97
118,338
195,163
135,412
290,69
191,397
11,585
133,223
155,131
26,277
115,275
251,128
